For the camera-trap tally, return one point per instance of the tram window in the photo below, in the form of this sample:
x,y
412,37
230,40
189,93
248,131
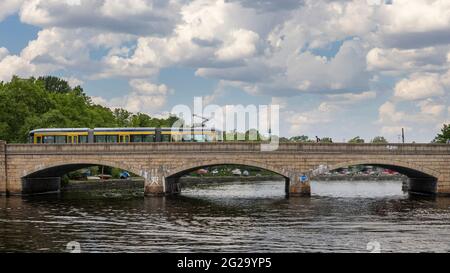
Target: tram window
x,y
187,138
82,139
49,139
177,138
38,139
148,138
209,138
199,138
165,138
100,139
60,139
136,138
111,139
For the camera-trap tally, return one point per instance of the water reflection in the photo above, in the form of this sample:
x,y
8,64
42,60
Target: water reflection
x,y
339,217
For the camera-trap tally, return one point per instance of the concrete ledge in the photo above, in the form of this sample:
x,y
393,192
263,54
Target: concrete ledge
x,y
32,186
103,185
218,179
425,186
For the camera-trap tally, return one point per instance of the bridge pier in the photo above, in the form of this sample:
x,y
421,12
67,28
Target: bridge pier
x,y
299,188
157,184
422,185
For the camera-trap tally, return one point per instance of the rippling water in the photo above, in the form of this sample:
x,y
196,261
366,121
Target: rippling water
x,y
242,217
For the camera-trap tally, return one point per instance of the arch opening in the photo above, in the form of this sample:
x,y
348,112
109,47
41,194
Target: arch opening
x,y
56,177
222,173
415,179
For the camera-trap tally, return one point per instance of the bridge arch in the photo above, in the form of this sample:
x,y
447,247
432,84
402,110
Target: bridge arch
x,y
187,168
45,178
405,168
172,177
421,179
59,168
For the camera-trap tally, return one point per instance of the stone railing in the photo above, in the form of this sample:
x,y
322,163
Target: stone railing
x,y
225,147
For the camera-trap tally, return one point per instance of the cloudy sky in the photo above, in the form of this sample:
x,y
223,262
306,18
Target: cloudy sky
x,y
337,68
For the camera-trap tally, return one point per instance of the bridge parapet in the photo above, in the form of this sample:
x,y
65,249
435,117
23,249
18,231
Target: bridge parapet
x,y
241,147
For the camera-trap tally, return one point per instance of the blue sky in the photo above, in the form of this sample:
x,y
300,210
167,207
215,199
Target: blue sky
x,y
336,68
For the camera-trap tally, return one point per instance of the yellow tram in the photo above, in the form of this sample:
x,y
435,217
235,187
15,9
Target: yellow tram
x,y
120,135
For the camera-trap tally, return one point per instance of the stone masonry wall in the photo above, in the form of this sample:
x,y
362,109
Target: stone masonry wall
x,y
2,167
160,163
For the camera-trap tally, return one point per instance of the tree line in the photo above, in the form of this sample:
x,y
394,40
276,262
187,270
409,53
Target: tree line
x,y
355,140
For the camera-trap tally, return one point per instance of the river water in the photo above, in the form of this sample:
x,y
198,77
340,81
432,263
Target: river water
x,y
232,217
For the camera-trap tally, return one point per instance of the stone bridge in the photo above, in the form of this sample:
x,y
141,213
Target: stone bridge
x,y
30,169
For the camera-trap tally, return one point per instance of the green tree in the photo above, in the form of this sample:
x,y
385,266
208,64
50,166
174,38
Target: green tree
x,y
356,140
444,135
252,135
301,138
55,84
143,120
326,140
49,102
379,140
123,117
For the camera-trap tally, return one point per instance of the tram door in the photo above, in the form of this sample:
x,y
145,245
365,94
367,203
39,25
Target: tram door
x,y
72,139
124,138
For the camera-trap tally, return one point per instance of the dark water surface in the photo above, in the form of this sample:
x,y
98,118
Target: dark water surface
x,y
242,217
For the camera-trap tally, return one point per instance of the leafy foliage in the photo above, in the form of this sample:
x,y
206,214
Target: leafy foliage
x,y
379,140
444,135
302,138
49,102
356,140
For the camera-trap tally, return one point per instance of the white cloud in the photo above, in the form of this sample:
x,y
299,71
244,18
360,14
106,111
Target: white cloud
x,y
394,131
14,65
429,107
3,52
353,98
389,114
419,86
301,122
126,16
73,81
8,7
144,97
402,61
415,24
241,44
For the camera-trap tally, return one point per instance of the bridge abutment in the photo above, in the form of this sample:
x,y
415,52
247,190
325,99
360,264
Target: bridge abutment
x,y
40,185
3,176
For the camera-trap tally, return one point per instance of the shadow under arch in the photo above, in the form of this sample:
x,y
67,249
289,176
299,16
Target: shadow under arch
x,y
173,176
421,180
186,168
47,178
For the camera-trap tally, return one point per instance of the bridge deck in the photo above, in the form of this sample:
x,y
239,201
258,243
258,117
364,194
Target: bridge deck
x,y
233,147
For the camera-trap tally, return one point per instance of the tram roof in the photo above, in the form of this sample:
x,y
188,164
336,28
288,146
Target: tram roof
x,y
122,129
50,130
